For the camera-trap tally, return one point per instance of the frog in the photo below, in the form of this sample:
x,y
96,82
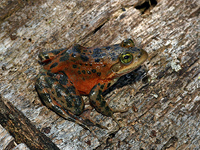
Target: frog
x,y
70,73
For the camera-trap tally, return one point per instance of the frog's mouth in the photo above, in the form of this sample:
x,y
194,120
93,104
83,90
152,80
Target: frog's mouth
x,y
126,71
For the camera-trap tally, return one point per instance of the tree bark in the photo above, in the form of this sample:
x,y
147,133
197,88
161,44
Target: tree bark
x,y
163,96
22,129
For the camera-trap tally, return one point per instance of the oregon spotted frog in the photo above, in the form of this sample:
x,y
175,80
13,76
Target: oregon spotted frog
x,y
70,73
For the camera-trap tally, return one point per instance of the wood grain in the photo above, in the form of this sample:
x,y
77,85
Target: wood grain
x,y
164,103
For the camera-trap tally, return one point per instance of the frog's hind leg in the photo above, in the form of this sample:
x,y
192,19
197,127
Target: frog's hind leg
x,y
98,102
60,95
46,57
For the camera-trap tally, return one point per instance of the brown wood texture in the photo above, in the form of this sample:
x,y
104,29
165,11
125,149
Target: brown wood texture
x,y
164,105
21,128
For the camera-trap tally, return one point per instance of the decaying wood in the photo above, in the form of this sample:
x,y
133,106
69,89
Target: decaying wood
x,y
22,129
164,105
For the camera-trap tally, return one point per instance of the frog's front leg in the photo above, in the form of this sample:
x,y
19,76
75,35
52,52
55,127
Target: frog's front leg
x,y
59,94
98,102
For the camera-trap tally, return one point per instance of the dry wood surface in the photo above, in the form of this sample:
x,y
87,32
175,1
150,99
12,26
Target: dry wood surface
x,y
162,96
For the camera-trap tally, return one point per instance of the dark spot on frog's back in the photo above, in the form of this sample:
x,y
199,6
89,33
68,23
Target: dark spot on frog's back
x,y
65,57
84,58
97,60
54,65
93,70
74,66
113,56
97,51
83,71
79,72
76,48
99,73
107,47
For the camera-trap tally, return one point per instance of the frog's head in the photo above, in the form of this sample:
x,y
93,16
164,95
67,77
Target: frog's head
x,y
130,59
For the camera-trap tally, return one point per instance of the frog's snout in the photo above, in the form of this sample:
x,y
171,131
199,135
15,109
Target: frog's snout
x,y
143,55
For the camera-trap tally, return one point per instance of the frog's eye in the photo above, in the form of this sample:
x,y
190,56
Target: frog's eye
x,y
126,58
127,43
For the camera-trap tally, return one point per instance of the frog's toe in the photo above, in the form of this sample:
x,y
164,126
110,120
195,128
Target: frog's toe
x,y
86,120
89,122
114,130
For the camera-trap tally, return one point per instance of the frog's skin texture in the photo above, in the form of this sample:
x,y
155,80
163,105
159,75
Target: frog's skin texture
x,y
70,73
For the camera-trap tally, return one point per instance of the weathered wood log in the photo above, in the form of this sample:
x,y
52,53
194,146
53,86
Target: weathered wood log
x,y
164,106
22,129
